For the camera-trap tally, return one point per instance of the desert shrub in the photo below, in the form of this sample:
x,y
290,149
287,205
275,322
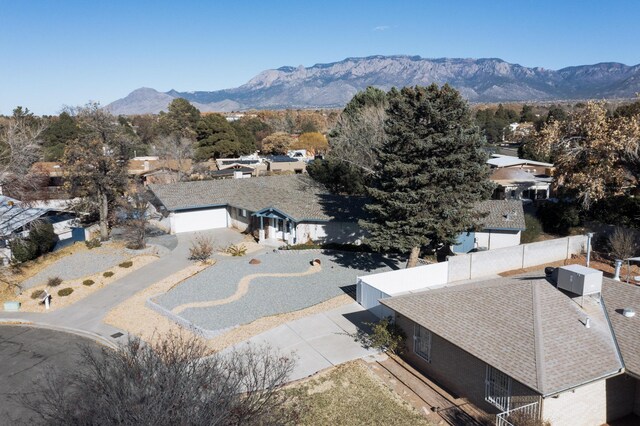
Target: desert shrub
x,y
54,281
533,231
92,243
88,282
65,291
236,250
201,248
385,335
108,274
37,294
623,243
169,381
127,264
558,218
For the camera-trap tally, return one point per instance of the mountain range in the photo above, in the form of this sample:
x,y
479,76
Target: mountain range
x,y
332,85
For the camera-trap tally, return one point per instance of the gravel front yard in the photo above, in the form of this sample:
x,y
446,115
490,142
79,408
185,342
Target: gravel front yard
x,y
268,295
79,265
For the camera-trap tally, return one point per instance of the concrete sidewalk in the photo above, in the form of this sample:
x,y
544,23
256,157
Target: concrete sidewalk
x,y
319,341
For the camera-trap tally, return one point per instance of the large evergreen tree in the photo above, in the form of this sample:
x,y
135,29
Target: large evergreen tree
x,y
431,172
216,138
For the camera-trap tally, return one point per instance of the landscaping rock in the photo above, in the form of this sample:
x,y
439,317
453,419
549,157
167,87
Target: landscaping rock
x,y
254,262
316,262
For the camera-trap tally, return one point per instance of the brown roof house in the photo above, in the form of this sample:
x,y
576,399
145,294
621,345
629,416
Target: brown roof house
x,y
519,178
280,209
558,350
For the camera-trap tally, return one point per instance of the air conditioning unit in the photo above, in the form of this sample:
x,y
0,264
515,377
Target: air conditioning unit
x,y
579,280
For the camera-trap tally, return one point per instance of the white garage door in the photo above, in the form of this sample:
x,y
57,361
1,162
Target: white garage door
x,y
199,220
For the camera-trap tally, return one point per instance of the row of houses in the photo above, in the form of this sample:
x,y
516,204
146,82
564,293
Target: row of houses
x,y
294,209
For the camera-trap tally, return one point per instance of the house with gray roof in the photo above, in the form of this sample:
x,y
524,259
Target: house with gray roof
x,y
500,224
525,344
287,208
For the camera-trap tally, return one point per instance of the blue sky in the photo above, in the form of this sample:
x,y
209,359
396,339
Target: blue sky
x,y
59,52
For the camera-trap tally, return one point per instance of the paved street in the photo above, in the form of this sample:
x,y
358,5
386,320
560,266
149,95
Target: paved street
x,y
26,354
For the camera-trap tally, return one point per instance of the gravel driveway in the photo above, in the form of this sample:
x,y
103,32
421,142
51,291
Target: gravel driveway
x,y
268,295
79,265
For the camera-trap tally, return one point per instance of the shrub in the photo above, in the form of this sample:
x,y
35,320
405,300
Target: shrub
x,y
533,231
201,248
54,281
93,243
559,218
623,243
65,292
88,282
236,250
108,274
385,335
41,240
37,294
167,381
127,264
621,210
23,250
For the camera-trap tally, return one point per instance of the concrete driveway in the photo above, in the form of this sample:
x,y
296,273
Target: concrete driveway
x,y
319,341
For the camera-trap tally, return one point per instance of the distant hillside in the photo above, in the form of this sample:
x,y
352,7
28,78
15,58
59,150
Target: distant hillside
x,y
333,85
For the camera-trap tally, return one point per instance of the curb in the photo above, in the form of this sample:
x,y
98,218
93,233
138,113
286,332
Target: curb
x,y
82,333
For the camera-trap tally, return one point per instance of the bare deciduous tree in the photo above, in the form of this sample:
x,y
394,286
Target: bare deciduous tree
x,y
360,130
175,149
134,218
170,382
623,243
19,149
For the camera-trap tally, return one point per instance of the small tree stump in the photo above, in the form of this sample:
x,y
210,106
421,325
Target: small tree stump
x,y
254,262
316,262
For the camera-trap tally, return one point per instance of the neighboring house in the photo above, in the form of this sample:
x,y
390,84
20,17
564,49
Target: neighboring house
x,y
520,179
238,172
142,165
16,218
519,344
279,209
284,163
500,225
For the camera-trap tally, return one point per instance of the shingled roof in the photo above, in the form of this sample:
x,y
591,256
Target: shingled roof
x,y
501,214
522,326
297,196
618,296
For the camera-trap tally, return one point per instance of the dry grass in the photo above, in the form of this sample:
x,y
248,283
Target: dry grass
x,y
80,291
595,263
351,395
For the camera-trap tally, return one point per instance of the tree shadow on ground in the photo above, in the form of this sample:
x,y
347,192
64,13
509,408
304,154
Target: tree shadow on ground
x,y
362,261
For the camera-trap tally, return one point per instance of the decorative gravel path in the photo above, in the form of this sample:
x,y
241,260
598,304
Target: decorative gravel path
x,y
272,292
80,265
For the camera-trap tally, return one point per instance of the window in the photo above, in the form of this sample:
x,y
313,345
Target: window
x,y
497,388
422,342
243,212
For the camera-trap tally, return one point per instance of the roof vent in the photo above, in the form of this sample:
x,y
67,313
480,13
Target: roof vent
x,y
628,312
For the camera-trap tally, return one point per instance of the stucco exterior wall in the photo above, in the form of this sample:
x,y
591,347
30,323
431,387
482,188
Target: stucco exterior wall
x,y
588,404
334,232
497,239
457,371
237,221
